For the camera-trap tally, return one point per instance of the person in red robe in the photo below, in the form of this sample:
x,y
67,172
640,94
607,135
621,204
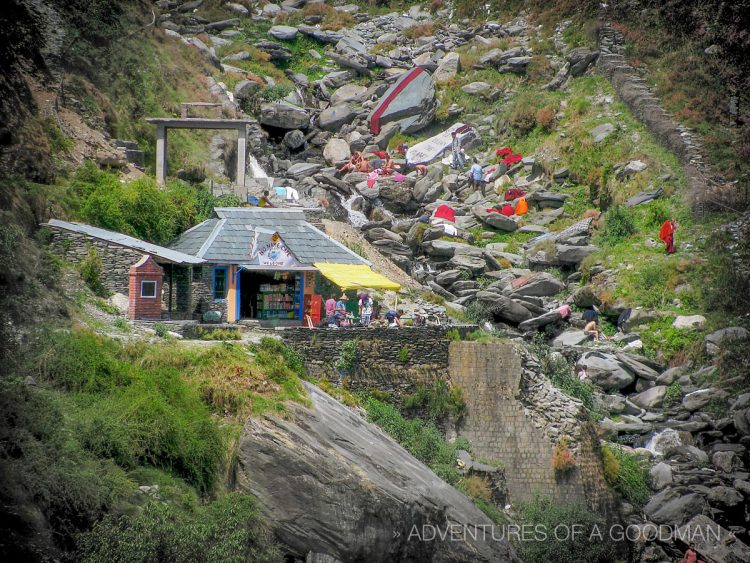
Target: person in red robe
x,y
666,234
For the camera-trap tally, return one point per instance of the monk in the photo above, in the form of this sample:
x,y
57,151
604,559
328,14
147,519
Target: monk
x,y
666,234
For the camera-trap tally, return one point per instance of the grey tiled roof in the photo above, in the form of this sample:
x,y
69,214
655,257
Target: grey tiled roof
x,y
226,238
168,254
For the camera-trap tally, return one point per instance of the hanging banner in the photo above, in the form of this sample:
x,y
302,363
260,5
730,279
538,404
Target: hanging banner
x,y
275,253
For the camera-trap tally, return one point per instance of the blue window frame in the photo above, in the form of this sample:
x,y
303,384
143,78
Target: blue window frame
x,y
220,284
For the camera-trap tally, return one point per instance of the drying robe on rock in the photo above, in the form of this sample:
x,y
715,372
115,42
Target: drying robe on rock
x,y
444,213
522,207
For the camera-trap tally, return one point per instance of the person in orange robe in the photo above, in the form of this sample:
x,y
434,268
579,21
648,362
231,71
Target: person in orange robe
x,y
666,234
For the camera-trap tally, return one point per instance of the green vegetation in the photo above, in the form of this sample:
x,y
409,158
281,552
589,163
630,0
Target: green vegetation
x,y
140,208
668,343
105,417
619,225
219,334
349,356
476,313
438,401
562,374
586,546
403,354
422,439
229,529
90,269
627,473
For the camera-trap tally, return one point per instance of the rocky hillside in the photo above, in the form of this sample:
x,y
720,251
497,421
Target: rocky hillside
x,y
583,153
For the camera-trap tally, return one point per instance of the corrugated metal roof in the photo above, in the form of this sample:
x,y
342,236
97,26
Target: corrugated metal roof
x,y
168,254
227,238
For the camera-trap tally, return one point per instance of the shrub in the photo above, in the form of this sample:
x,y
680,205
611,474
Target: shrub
x,y
90,269
618,226
161,330
440,400
229,529
348,356
627,473
522,118
563,459
584,547
656,212
545,118
476,313
476,487
403,354
673,395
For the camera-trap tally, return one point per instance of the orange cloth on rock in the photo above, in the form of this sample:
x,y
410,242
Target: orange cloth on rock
x,y
522,207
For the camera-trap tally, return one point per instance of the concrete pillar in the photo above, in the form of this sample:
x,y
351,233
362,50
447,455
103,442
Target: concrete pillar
x,y
241,154
161,154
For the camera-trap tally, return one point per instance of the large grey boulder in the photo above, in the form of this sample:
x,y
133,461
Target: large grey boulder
x,y
660,476
699,399
447,69
541,284
580,59
716,339
671,507
332,118
540,321
570,337
724,497
331,483
284,116
302,170
494,220
336,151
411,101
283,32
294,139
652,398
503,308
348,93
606,371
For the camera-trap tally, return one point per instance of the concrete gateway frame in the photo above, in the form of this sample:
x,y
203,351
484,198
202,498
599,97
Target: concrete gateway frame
x,y
164,123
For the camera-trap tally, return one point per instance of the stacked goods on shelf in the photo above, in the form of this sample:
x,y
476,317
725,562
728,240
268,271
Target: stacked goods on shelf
x,y
279,300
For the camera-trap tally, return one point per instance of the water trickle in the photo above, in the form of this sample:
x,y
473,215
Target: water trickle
x,y
356,217
663,440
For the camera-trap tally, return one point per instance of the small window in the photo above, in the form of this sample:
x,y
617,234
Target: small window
x,y
220,284
148,289
197,273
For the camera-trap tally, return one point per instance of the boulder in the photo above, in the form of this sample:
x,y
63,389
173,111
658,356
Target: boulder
x,y
277,51
283,32
715,339
650,399
334,117
348,93
246,89
585,297
573,255
601,132
447,69
690,321
336,151
580,59
237,9
476,265
410,100
606,371
728,461
476,88
660,476
494,220
697,400
448,277
337,496
284,116
724,497
714,543
637,366
541,284
302,170
672,507
540,321
503,307
396,196
570,337
294,139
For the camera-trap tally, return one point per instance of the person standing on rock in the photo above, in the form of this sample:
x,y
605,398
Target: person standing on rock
x,y
666,234
456,151
475,175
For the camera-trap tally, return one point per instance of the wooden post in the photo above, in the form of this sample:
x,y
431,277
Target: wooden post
x,y
161,154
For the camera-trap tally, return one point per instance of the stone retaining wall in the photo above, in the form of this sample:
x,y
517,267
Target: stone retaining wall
x,y
382,362
515,416
636,94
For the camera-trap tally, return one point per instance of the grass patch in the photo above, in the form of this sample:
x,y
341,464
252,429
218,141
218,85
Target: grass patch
x,y
438,401
627,473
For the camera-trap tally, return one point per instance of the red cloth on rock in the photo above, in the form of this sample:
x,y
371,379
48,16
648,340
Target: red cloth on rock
x,y
445,212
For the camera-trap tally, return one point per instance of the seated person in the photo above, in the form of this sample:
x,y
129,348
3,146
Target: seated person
x,y
340,313
263,201
394,318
